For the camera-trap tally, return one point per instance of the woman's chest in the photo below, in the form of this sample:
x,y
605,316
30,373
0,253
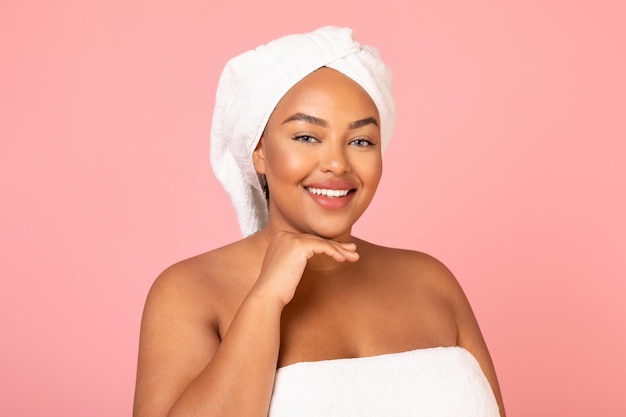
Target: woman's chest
x,y
363,319
371,313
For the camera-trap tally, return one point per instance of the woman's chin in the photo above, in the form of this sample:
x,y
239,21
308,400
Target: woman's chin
x,y
339,234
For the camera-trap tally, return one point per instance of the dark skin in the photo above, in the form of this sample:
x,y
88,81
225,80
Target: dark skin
x,y
217,326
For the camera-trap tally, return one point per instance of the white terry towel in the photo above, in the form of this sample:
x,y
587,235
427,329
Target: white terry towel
x,y
435,382
253,83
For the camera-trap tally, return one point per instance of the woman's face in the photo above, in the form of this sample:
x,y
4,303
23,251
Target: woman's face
x,y
321,155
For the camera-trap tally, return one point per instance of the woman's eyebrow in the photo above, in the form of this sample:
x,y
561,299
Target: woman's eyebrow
x,y
363,122
306,118
302,117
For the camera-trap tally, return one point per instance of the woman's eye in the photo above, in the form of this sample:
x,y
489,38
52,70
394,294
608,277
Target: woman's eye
x,y
362,142
305,139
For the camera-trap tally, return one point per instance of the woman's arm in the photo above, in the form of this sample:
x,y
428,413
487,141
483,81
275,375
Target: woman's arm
x,y
470,337
185,370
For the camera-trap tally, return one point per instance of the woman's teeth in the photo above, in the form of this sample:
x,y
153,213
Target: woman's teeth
x,y
328,193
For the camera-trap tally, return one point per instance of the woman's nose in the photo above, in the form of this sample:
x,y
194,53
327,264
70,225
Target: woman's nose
x,y
334,158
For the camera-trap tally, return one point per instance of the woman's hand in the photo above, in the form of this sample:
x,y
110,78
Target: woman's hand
x,y
286,257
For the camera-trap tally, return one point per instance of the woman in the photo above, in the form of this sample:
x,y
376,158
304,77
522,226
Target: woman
x,y
300,317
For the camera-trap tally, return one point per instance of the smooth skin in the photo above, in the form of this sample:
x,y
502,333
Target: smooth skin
x,y
217,326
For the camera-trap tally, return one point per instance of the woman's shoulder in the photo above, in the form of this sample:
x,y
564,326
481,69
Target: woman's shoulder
x,y
413,265
209,266
407,257
206,278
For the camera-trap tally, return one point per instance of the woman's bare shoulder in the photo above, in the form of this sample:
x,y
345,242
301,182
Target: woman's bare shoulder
x,y
202,279
407,257
414,265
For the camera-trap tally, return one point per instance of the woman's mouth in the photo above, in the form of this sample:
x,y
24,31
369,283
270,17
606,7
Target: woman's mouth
x,y
330,198
328,192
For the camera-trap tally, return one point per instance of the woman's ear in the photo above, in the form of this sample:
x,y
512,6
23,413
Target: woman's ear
x,y
258,156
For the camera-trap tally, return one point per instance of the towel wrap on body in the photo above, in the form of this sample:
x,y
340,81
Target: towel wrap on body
x,y
433,382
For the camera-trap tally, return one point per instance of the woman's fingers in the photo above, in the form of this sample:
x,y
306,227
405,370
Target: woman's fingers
x,y
286,258
340,252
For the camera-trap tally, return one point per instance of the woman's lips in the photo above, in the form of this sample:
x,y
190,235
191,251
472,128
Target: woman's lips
x,y
331,196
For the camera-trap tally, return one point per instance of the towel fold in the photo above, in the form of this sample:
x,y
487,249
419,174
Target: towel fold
x,y
252,84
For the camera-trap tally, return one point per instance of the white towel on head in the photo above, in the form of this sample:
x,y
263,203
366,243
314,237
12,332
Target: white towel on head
x,y
251,86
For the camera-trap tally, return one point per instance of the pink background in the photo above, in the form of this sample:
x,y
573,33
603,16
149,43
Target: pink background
x,y
508,164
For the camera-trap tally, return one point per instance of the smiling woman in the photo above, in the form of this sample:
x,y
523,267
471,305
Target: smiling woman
x,y
300,317
320,154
